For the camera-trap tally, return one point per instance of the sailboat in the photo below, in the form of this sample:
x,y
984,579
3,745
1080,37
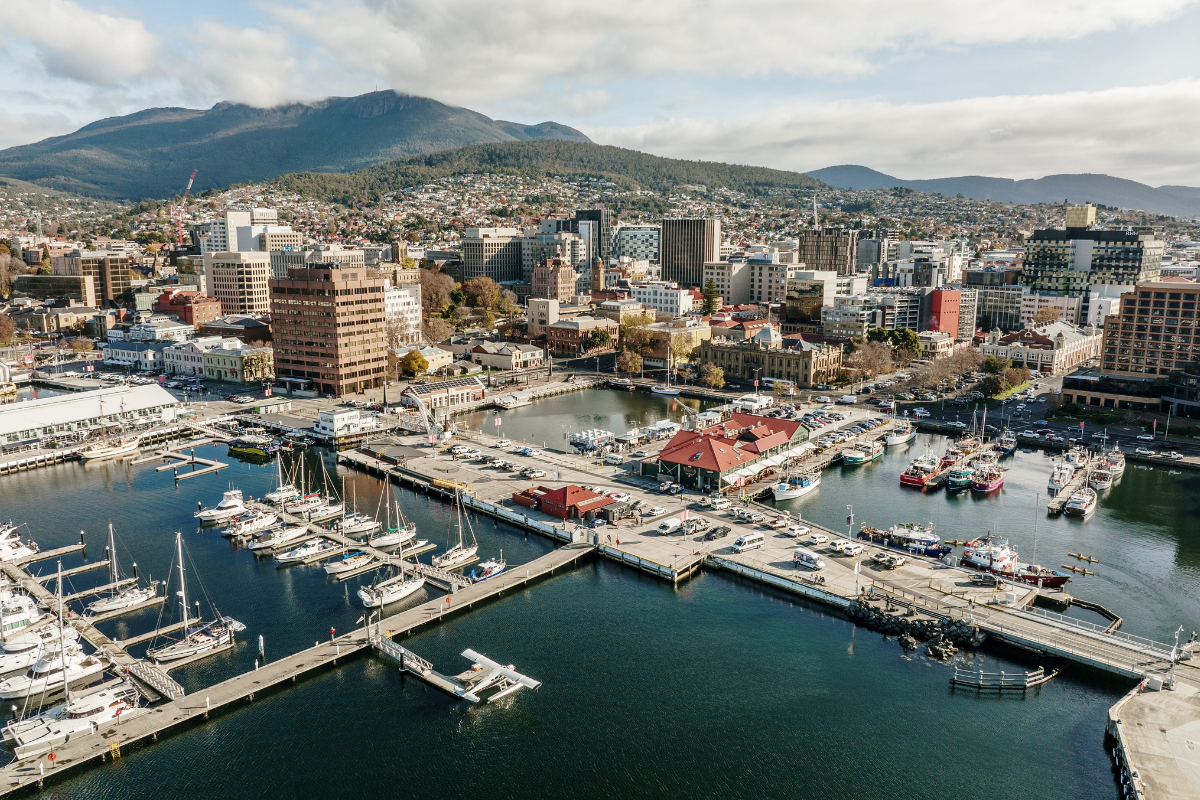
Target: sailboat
x,y
118,599
199,637
459,554
666,388
277,536
284,491
355,521
404,534
108,447
392,589
60,664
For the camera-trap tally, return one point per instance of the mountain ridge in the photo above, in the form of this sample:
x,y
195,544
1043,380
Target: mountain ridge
x,y
1073,187
150,153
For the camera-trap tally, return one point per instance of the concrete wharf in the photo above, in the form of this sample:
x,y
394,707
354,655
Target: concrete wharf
x,y
196,708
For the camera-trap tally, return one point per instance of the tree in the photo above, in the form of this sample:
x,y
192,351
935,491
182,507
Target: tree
x,y
679,347
596,339
710,298
712,376
436,288
482,292
629,362
872,358
992,385
1047,314
81,345
905,339
878,335
8,330
435,329
414,363
995,366
636,335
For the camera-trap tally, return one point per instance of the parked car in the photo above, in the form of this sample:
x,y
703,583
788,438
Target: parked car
x,y
503,443
656,511
839,545
719,532
620,497
1144,451
1146,437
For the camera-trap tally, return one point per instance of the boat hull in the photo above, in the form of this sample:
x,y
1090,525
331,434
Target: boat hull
x,y
375,597
903,438
106,453
984,487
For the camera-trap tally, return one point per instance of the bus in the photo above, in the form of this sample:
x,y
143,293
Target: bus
x,y
786,387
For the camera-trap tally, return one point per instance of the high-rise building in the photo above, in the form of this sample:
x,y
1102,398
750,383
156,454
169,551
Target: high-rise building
x,y
491,252
968,305
686,244
850,316
809,293
944,306
329,328
830,250
731,279
600,243
221,235
402,306
999,307
539,246
1156,331
284,259
239,281
637,242
108,269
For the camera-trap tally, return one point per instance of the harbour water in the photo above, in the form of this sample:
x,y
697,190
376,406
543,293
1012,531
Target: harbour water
x,y
715,687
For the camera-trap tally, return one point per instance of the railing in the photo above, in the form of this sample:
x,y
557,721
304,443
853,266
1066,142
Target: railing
x,y
1102,630
156,680
998,681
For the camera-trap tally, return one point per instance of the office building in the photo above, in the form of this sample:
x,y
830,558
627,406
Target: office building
x,y
944,307
850,316
539,246
329,329
191,307
81,288
731,279
554,279
108,270
968,305
904,308
637,242
686,245
221,235
999,306
1066,307
663,296
1156,331
234,362
829,250
768,279
492,253
809,293
541,311
571,337
402,307
239,281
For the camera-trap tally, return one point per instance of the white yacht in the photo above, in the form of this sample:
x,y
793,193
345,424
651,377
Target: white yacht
x,y
278,536
118,599
327,509
355,522
313,547
82,715
18,550
490,568
110,448
23,650
391,589
303,503
250,523
231,505
349,562
199,637
285,491
56,668
796,486
17,612
460,553
903,433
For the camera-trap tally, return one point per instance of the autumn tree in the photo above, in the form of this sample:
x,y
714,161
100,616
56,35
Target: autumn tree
x,y
712,376
872,358
629,362
436,290
1047,314
482,292
8,330
435,329
414,363
636,335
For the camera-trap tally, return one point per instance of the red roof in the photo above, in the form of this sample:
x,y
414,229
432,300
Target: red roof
x,y
720,449
577,496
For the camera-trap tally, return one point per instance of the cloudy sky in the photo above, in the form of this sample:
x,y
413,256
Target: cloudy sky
x,y
918,89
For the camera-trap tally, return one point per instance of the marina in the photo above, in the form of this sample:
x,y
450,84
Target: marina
x,y
936,595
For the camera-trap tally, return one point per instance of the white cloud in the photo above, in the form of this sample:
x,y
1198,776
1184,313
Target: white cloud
x,y
17,128
478,50
1143,133
82,45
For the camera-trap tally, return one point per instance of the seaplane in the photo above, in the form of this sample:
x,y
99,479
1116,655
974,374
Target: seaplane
x,y
487,675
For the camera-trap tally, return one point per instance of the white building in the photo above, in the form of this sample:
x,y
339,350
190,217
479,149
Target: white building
x,y
663,296
220,235
731,278
123,408
637,242
187,358
342,422
161,328
402,311
146,356
239,281
1068,307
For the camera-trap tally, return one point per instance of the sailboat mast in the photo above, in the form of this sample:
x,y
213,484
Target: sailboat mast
x,y
112,559
182,584
1036,495
62,642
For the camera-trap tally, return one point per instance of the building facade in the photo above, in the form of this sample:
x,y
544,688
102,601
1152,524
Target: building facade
x,y
574,336
234,362
1046,349
491,253
944,309
1156,331
731,278
663,297
329,329
191,307
554,279
638,242
829,250
803,363
402,308
108,270
239,281
686,245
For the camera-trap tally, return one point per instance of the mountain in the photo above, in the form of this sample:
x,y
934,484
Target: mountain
x,y
152,152
628,168
1077,188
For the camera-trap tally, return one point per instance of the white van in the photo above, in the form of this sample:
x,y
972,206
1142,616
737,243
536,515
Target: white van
x,y
848,399
614,459
669,526
807,559
751,541
721,503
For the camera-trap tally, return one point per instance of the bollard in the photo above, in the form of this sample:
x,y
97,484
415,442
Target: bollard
x,y
261,651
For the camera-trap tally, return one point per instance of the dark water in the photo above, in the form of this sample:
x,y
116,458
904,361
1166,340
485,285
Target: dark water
x,y
715,688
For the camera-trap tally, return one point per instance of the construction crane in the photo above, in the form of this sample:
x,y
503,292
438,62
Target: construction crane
x,y
182,206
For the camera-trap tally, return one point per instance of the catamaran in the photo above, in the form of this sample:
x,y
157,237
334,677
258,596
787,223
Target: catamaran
x,y
459,554
199,637
231,505
82,715
119,599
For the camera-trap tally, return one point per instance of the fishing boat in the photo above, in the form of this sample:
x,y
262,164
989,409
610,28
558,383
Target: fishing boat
x,y
250,523
460,553
903,433
796,486
1061,476
199,637
911,537
277,536
990,554
1077,456
863,453
313,549
349,562
959,478
920,470
987,479
285,491
489,569
1114,462
231,505
119,599
81,715
1100,479
254,446
986,458
1007,443
1082,503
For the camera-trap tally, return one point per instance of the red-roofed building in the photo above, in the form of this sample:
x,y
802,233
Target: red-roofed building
x,y
568,502
190,306
742,446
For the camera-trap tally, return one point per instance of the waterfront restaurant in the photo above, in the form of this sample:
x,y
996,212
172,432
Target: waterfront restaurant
x,y
72,416
743,447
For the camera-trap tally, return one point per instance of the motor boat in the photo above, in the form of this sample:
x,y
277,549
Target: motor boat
x,y
1061,477
1082,502
863,453
489,569
82,715
304,503
17,612
254,446
23,650
987,479
349,562
18,551
1114,463
990,554
985,459
1007,443
277,536
903,433
231,505
310,549
57,668
959,478
250,523
1077,456
920,470
797,486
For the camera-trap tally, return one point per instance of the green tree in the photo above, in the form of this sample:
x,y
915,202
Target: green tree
x,y
992,385
710,298
414,363
596,339
905,339
995,366
879,335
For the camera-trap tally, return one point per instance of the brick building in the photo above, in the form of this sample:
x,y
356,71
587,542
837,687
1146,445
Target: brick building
x,y
190,306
